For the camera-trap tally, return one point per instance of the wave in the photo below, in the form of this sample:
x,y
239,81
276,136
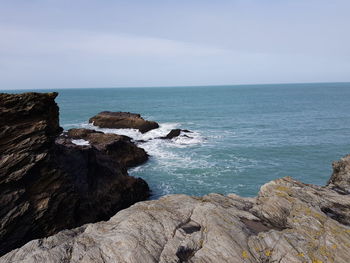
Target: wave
x,y
151,138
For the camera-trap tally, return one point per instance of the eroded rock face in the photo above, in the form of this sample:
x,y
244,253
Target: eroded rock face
x,y
118,147
287,222
47,183
340,179
120,120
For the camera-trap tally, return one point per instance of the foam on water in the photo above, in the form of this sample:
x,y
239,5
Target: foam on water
x,y
151,138
166,156
185,168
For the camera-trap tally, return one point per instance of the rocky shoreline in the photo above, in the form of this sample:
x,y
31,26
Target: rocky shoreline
x,y
287,222
49,184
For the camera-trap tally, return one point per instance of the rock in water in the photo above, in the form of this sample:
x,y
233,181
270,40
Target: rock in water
x,y
287,222
174,133
49,184
118,147
121,120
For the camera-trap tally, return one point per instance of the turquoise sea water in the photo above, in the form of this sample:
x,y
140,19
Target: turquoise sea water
x,y
244,136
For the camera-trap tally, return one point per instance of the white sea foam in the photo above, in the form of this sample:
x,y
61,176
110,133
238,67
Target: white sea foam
x,y
167,157
152,137
81,142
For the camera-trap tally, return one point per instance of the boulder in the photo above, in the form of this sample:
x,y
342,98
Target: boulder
x,y
123,120
48,183
119,147
288,221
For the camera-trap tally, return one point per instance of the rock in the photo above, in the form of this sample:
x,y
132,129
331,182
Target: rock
x,y
121,120
174,133
118,147
287,222
49,184
340,179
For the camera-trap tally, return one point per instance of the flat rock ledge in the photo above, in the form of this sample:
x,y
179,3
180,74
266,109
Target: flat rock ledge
x,y
123,120
288,221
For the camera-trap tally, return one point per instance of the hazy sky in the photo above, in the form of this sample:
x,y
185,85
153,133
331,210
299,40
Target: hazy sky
x,y
105,43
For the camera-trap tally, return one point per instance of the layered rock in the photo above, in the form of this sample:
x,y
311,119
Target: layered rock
x,y
287,222
48,183
340,179
121,120
118,147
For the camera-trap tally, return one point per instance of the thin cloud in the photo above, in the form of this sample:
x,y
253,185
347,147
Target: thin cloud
x,y
21,41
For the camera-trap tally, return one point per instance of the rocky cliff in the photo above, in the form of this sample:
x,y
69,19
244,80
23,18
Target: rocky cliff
x,y
47,183
287,222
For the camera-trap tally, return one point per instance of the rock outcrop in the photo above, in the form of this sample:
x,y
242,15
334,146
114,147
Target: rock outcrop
x,y
287,222
340,179
121,120
118,147
47,183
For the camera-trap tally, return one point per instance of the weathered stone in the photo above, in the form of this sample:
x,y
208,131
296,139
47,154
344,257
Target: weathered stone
x,y
340,179
121,120
287,222
49,184
118,147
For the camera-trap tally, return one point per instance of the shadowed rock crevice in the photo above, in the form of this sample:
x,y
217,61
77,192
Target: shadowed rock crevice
x,y
184,254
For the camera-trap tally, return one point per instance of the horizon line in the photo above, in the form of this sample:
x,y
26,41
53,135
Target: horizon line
x,y
186,86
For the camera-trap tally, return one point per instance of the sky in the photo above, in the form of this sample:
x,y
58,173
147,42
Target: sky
x,y
135,43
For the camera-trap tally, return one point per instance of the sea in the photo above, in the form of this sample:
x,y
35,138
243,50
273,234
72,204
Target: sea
x,y
242,136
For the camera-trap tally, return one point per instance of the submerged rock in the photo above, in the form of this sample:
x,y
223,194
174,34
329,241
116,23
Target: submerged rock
x,y
121,120
48,183
287,222
118,147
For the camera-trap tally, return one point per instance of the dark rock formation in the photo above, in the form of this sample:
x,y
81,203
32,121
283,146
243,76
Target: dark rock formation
x,y
49,184
118,147
287,222
120,120
174,133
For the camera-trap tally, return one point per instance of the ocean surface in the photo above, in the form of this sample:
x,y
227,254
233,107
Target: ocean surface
x,y
243,136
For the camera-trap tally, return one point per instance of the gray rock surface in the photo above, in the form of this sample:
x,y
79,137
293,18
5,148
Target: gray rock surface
x,y
287,222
